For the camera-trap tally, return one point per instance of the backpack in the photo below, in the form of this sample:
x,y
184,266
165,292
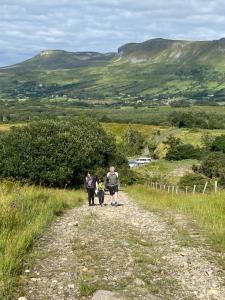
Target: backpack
x,y
89,182
113,178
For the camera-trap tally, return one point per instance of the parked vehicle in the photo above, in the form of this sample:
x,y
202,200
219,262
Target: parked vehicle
x,y
132,163
143,160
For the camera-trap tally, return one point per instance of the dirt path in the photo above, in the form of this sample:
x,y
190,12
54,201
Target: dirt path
x,y
119,253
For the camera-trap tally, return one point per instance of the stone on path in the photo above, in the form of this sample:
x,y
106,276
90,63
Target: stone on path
x,y
105,295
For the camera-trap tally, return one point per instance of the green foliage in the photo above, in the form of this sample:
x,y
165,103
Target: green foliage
x,y
207,210
25,212
178,151
173,141
213,165
128,176
185,151
195,120
190,180
56,153
218,144
207,141
180,103
133,140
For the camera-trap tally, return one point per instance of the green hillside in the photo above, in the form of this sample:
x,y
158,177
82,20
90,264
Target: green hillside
x,y
156,71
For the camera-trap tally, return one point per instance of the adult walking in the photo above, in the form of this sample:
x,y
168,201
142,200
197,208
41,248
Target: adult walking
x,y
89,184
112,181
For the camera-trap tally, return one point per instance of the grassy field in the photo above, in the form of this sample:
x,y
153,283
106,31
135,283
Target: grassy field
x,y
166,171
206,210
25,213
118,129
190,136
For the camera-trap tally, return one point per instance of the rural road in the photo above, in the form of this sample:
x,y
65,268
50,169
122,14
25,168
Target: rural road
x,y
124,252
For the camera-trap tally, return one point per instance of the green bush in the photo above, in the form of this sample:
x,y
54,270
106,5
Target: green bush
x,y
55,153
218,144
190,180
183,151
133,141
213,166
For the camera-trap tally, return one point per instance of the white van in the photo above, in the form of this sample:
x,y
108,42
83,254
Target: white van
x,y
143,160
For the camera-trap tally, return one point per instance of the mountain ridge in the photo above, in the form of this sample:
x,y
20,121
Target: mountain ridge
x,y
159,69
156,49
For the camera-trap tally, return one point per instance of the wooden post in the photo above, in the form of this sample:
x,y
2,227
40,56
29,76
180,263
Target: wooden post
x,y
205,187
164,187
153,185
177,189
172,189
156,185
168,189
186,189
194,188
160,187
216,186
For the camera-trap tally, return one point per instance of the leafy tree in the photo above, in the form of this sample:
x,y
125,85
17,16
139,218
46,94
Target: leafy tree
x,y
218,144
193,179
133,140
172,141
183,151
56,153
178,151
207,141
213,165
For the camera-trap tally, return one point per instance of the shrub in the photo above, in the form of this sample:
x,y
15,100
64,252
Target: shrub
x,y
56,153
134,141
218,144
183,151
193,179
213,165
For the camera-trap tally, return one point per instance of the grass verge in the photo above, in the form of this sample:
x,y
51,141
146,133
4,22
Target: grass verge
x,y
25,213
208,211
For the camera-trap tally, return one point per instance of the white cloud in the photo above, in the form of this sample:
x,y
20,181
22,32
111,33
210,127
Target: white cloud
x,y
28,26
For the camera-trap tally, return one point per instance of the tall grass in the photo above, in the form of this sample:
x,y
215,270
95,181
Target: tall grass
x,y
24,214
207,210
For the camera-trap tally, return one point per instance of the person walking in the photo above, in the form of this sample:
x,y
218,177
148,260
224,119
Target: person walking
x,y
100,190
112,181
89,184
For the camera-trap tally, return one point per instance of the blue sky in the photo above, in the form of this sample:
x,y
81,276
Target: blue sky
x,y
29,26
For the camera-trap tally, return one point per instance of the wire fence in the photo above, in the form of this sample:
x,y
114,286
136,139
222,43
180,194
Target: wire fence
x,y
203,189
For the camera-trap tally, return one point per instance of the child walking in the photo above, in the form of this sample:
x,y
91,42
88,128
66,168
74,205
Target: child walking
x,y
100,190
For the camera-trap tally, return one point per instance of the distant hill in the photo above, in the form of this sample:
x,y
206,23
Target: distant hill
x,y
155,71
60,59
175,51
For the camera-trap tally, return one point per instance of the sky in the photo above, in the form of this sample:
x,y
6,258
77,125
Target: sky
x,y
30,26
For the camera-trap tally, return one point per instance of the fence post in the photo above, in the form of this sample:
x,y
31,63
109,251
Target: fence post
x,y
186,189
172,189
153,185
177,189
156,185
194,188
205,187
168,189
216,186
164,187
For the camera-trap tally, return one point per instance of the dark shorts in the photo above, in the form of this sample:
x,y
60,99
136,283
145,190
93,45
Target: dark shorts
x,y
113,189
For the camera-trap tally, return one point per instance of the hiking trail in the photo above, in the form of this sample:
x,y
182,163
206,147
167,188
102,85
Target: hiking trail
x,y
124,252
